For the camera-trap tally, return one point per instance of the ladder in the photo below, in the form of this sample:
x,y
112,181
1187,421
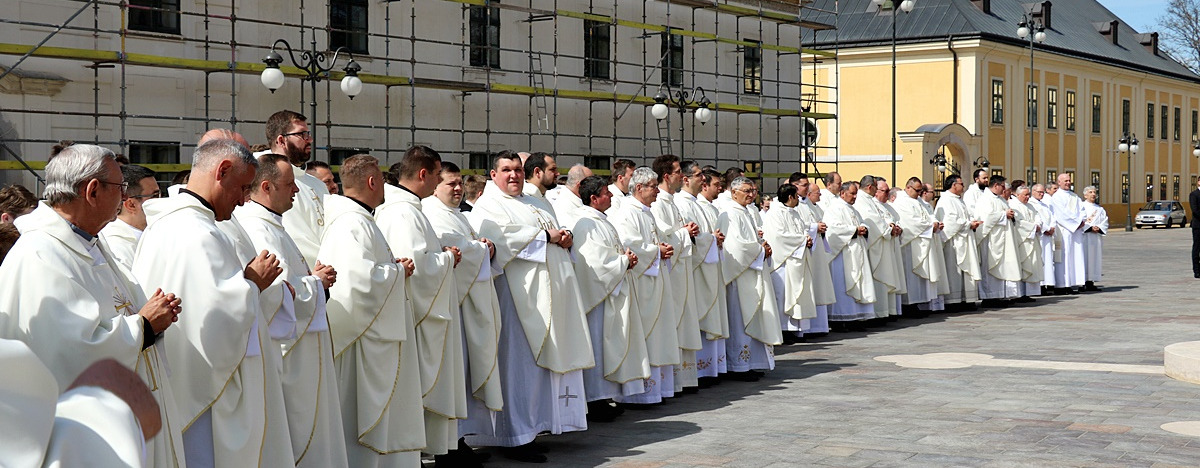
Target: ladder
x,y
540,101
664,135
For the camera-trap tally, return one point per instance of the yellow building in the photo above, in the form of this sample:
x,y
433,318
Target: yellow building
x,y
963,89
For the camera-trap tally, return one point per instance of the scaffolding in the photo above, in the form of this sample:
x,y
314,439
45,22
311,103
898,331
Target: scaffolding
x,y
572,115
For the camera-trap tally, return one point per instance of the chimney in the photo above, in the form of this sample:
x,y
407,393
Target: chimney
x,y
1149,41
1108,29
983,5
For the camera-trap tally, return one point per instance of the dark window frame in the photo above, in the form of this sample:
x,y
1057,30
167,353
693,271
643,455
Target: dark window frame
x,y
1031,106
997,101
157,16
597,49
1097,117
1126,116
484,35
752,68
1071,116
1051,108
1149,120
349,21
1178,127
672,54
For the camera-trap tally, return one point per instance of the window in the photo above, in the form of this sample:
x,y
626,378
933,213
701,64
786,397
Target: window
x,y
1126,112
337,156
348,25
1051,176
1070,111
597,38
1031,177
752,68
672,59
479,160
997,101
1163,128
1149,120
1096,180
1096,113
1051,108
1178,125
1162,187
1195,122
996,171
1175,185
1032,106
160,16
155,152
597,162
485,35
1125,188
1149,187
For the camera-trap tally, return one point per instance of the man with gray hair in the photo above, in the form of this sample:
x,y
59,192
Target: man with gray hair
x,y
221,355
1028,228
63,294
1095,227
566,199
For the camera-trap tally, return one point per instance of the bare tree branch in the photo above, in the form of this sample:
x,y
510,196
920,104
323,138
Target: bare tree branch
x,y
1180,32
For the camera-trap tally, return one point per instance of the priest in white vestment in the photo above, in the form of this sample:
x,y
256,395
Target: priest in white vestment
x,y
309,383
430,294
541,176
850,268
887,268
371,322
1069,214
69,300
103,418
568,203
788,235
1027,229
924,263
709,291
544,342
680,235
1049,238
288,134
1001,267
622,170
1095,227
753,314
960,248
606,280
121,236
652,301
226,387
475,294
823,292
978,187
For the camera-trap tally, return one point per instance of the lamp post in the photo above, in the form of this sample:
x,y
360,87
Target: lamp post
x,y
906,6
1196,146
1129,145
663,101
1035,31
312,64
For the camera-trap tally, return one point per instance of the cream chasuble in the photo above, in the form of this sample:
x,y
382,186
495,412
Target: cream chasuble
x,y
886,265
536,198
1050,244
476,296
305,222
842,222
681,284
709,288
1068,213
997,238
566,207
1026,230
219,373
439,332
309,382
923,250
818,261
788,236
374,344
606,283
971,196
743,268
635,229
544,288
120,240
1093,242
82,308
959,249
618,197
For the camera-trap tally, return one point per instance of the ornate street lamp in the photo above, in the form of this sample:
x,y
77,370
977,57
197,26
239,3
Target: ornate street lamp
x,y
906,6
1129,145
681,100
312,63
1034,31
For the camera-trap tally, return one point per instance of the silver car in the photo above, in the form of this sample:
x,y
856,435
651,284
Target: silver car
x,y
1161,213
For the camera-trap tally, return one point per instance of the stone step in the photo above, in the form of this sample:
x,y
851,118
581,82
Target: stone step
x,y
1182,361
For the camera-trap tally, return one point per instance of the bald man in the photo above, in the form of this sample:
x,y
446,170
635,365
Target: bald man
x,y
565,199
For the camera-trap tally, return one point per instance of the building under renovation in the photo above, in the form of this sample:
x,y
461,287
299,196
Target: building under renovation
x,y
577,78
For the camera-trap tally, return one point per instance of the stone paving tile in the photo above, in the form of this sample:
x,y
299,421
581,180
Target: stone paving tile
x,y
830,403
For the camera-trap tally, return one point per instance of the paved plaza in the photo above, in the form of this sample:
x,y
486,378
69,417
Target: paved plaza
x,y
1071,381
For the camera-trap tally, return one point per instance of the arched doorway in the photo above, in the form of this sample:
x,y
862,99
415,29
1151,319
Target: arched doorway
x,y
954,142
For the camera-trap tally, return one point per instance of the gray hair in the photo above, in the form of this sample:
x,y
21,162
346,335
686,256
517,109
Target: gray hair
x,y
1023,188
75,166
576,175
740,182
1037,186
211,153
1090,189
643,175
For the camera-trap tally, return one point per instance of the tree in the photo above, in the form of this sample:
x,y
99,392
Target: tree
x,y
1180,32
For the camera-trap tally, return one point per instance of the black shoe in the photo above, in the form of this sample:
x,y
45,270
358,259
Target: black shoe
x,y
707,382
524,453
1025,299
690,390
457,459
1090,286
601,411
1197,275
466,449
743,376
856,326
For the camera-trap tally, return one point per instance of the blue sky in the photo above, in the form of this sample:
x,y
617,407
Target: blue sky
x,y
1141,14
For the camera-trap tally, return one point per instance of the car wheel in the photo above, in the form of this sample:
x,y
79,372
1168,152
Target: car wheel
x,y
1168,223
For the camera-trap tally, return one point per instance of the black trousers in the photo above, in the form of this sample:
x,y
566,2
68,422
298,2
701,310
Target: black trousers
x,y
1195,249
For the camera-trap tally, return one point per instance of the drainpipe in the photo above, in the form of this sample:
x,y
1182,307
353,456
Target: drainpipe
x,y
954,77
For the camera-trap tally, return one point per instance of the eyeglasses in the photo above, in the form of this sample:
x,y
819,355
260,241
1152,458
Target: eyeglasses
x,y
305,134
124,185
748,190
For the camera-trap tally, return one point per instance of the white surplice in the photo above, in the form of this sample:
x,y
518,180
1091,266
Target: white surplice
x,y
226,388
1001,267
786,232
566,206
960,249
851,264
709,290
971,196
618,197
374,342
1027,228
606,283
82,307
438,327
305,222
1068,214
1048,242
668,221
753,314
120,240
924,263
1093,242
887,266
309,382
818,265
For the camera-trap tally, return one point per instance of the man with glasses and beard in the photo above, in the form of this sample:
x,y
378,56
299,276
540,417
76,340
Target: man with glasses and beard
x,y
288,135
